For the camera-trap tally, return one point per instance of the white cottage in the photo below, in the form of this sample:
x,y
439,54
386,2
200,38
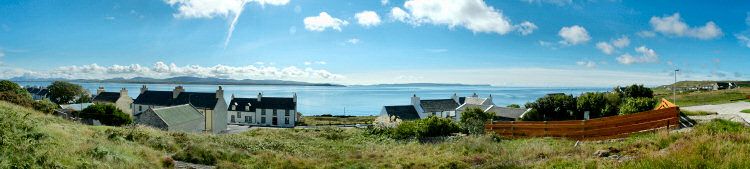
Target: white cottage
x,y
263,111
211,105
121,100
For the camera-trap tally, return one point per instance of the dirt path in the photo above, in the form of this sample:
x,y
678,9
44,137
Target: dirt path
x,y
729,108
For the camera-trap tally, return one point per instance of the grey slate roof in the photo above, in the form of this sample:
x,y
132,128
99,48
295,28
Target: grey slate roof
x,y
265,103
107,97
438,105
507,112
164,98
176,115
465,107
404,112
474,100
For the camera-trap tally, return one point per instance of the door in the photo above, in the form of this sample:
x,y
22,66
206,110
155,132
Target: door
x,y
232,119
275,121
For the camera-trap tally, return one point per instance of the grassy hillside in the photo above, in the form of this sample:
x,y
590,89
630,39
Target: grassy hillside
x,y
321,120
697,83
707,97
33,140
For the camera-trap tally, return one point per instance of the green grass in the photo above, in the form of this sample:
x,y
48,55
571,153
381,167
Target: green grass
x,y
697,113
746,111
708,97
33,140
321,120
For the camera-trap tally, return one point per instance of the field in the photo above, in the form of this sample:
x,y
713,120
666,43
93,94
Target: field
x,y
35,140
323,120
706,97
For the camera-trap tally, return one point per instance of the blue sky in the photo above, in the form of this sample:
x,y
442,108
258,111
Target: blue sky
x,y
504,43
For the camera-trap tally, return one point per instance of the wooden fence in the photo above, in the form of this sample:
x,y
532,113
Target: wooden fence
x,y
665,116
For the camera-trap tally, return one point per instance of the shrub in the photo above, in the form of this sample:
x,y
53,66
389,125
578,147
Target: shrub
x,y
636,91
107,114
42,105
429,127
553,108
473,120
635,105
7,85
513,106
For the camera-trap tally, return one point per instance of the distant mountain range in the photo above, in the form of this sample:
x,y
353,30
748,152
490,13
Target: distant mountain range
x,y
425,84
177,80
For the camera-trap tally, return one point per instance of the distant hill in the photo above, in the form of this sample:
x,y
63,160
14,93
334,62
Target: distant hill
x,y
700,83
178,80
425,84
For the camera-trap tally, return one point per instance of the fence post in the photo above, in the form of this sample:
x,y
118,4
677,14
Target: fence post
x,y
583,129
512,125
545,129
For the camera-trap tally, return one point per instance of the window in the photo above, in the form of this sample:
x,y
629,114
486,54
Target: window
x,y
238,115
286,112
234,107
286,120
248,119
140,108
263,112
232,119
262,119
274,112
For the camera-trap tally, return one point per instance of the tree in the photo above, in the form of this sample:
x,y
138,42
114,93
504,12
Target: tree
x,y
62,92
107,114
553,108
473,120
593,102
635,91
7,85
514,106
635,105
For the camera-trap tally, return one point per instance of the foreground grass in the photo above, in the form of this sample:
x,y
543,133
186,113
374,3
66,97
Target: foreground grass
x,y
708,97
57,143
746,111
697,113
321,120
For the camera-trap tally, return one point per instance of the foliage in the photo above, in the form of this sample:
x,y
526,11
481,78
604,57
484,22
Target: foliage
x,y
83,98
513,106
107,114
594,103
431,126
553,108
636,91
7,85
62,92
44,106
473,120
41,105
635,105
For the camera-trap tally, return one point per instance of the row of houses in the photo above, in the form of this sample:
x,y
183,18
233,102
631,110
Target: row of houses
x,y
714,86
450,108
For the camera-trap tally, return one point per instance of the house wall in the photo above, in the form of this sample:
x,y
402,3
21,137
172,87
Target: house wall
x,y
124,104
149,118
193,126
218,116
140,108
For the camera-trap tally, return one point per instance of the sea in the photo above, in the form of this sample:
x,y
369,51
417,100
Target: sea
x,y
353,100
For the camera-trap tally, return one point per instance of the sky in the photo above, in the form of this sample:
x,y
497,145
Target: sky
x,y
502,43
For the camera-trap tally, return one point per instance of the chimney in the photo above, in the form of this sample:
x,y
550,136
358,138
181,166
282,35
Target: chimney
x,y
176,92
294,97
259,96
455,98
28,86
123,92
415,100
490,97
220,93
144,89
232,96
100,90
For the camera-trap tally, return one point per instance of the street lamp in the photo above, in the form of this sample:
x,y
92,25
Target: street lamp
x,y
674,87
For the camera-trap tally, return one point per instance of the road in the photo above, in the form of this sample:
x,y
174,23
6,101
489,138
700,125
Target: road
x,y
729,108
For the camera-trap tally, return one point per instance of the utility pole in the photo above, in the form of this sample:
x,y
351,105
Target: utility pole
x,y
674,87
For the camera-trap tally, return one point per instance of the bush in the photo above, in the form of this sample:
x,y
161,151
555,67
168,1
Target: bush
x,y
62,92
107,114
553,108
593,102
7,85
513,106
429,127
635,105
637,91
473,120
42,105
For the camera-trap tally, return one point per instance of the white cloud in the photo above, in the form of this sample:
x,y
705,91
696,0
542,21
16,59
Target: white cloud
x,y
556,2
367,18
621,42
573,35
671,64
674,26
383,2
744,40
646,56
308,63
162,70
605,47
353,41
526,28
474,15
216,8
322,21
646,34
587,64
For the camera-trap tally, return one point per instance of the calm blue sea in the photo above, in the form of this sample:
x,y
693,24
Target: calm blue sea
x,y
353,100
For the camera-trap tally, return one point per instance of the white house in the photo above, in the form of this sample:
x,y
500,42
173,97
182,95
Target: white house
x,y
211,105
121,100
420,109
263,111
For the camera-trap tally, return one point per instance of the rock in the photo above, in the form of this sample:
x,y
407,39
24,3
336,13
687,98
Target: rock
x,y
601,153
